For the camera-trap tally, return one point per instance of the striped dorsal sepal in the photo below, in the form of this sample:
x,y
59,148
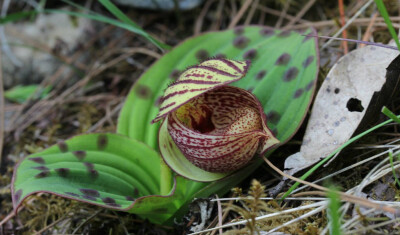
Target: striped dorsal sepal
x,y
198,79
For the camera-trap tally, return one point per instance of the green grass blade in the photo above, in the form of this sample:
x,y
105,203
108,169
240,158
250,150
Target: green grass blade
x,y
124,18
117,12
104,19
390,114
385,15
17,16
334,211
79,7
393,170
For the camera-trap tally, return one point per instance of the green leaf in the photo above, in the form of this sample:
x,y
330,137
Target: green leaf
x,y
107,170
282,75
20,94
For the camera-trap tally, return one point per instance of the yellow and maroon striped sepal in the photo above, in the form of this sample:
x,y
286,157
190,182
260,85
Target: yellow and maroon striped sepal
x,y
199,79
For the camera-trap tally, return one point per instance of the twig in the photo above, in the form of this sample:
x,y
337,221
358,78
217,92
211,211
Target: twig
x,y
361,21
7,218
283,14
278,13
87,220
219,215
218,15
300,14
362,9
343,22
367,33
200,19
239,15
50,225
104,119
251,12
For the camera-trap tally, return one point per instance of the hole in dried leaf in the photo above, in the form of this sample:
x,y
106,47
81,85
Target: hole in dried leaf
x,y
354,105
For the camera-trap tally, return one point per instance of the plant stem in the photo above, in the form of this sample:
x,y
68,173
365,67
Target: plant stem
x,y
165,178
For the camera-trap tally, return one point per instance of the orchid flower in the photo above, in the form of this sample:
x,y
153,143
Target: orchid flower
x,y
216,127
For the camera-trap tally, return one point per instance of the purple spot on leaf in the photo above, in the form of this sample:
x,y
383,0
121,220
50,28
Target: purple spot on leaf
x,y
88,197
273,117
158,101
17,195
175,74
283,59
80,154
274,132
108,200
89,166
239,30
202,55
143,91
241,42
63,146
310,85
261,74
93,174
266,32
135,192
220,56
250,54
90,192
63,172
308,61
290,74
42,174
72,194
102,141
298,93
41,168
37,160
129,198
284,34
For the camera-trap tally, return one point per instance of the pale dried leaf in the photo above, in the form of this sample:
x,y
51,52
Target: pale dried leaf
x,y
341,104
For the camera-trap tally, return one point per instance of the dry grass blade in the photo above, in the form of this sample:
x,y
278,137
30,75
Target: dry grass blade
x,y
268,216
2,110
344,196
200,19
301,13
239,15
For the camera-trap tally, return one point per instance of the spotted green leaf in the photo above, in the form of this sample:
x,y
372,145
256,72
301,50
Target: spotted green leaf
x,y
107,170
112,171
282,75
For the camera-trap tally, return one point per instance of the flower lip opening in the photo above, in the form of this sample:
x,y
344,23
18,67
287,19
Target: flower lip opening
x,y
221,130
